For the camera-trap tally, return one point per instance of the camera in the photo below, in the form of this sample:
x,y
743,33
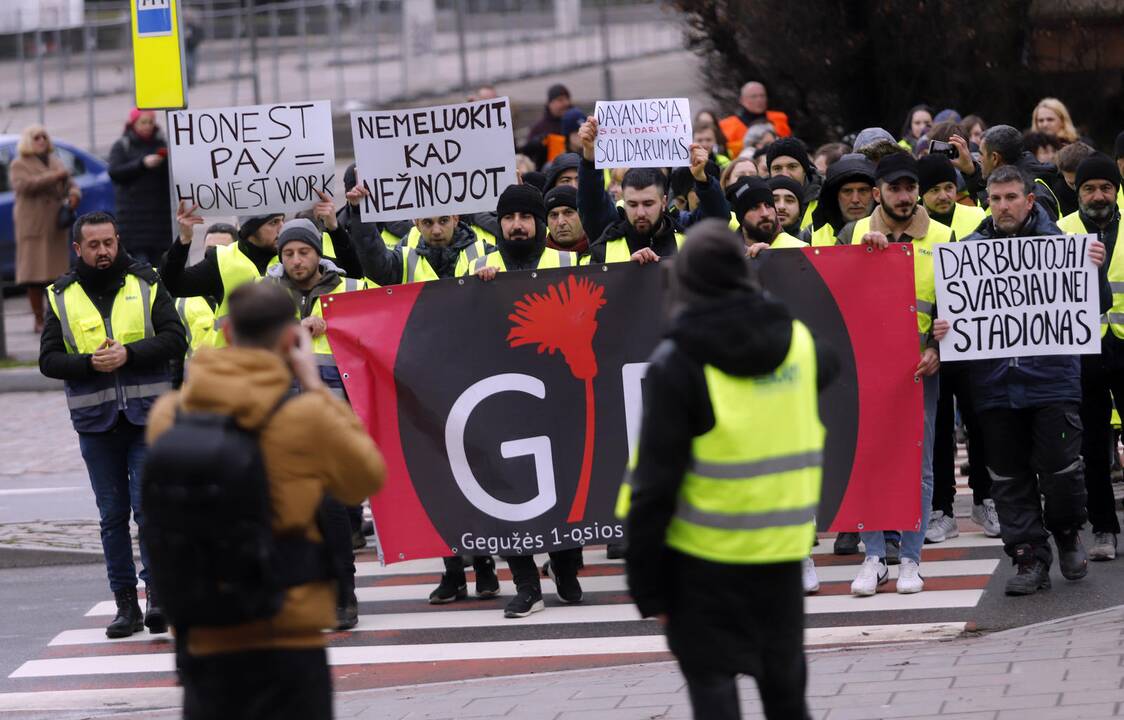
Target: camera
x,y
937,147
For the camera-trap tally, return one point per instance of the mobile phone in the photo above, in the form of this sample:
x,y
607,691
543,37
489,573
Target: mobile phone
x,y
936,147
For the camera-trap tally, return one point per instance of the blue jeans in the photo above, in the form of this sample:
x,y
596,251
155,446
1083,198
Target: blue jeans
x,y
114,460
875,541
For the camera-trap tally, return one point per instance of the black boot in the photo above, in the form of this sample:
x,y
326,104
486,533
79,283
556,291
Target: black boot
x,y
129,619
154,618
453,584
347,613
846,543
565,578
615,551
1072,558
1033,574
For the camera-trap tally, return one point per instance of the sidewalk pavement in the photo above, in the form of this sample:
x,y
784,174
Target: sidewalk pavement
x,y
23,347
1064,669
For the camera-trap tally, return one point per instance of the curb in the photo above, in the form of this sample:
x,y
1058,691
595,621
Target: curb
x,y
25,557
26,379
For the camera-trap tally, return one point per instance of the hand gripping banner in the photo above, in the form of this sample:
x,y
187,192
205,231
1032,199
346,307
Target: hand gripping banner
x,y
505,410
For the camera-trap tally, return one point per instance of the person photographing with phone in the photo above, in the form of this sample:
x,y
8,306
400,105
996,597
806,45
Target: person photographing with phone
x,y
110,334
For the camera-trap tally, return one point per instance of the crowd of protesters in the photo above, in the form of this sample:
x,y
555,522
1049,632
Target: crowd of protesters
x,y
120,325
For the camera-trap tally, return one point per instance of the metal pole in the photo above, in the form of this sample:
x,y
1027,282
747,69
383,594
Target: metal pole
x,y
374,66
236,73
606,59
91,84
39,76
462,51
21,54
337,50
254,83
64,61
275,32
302,30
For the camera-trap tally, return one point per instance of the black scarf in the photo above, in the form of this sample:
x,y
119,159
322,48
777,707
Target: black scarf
x,y
97,281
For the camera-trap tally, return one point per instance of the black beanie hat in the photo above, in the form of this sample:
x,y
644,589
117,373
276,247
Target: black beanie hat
x,y
711,265
561,196
521,198
784,182
747,192
249,224
1120,146
535,178
1097,167
932,170
793,148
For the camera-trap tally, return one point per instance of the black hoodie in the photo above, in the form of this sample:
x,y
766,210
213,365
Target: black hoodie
x,y
850,168
744,336
384,265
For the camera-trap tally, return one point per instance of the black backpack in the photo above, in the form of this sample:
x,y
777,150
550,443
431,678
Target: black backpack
x,y
214,558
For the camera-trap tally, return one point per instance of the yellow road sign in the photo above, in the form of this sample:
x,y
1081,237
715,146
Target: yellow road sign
x,y
158,67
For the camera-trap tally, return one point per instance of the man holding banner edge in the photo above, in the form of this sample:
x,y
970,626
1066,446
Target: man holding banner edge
x,y
1035,399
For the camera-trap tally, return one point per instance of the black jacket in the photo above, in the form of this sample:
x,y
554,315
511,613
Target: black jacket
x,y
384,265
203,278
143,197
1047,173
597,210
169,342
536,139
662,241
1032,381
746,336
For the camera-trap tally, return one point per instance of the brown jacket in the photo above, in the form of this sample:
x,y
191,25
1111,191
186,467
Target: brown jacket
x,y
42,247
313,445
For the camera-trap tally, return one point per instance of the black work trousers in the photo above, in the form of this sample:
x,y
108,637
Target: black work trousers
x,y
954,384
336,529
454,566
1099,385
1035,452
258,685
525,573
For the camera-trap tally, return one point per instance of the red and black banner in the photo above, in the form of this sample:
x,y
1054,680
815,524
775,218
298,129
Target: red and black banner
x,y
504,409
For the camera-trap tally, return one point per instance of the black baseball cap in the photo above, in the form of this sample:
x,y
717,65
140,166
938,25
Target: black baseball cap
x,y
894,167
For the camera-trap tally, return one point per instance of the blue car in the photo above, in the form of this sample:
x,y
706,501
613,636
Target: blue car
x,y
89,173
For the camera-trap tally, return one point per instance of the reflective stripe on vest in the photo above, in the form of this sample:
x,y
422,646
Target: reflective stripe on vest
x,y
1073,225
85,330
616,250
752,498
923,271
549,260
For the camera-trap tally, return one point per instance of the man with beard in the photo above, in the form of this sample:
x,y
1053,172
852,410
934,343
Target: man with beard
x,y
309,278
563,221
937,183
899,219
446,247
522,246
1029,414
643,221
789,157
753,205
847,196
1003,145
110,335
1102,379
788,199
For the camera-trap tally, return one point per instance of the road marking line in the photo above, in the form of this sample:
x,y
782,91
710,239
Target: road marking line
x,y
442,652
40,491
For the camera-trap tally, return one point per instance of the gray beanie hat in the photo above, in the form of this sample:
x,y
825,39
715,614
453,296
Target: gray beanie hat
x,y
301,230
871,135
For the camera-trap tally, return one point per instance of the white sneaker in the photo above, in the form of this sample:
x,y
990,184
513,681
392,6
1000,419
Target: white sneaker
x,y
808,575
986,517
948,526
909,577
934,534
872,574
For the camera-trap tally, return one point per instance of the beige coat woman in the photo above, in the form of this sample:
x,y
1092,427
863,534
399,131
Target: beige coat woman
x,y
41,186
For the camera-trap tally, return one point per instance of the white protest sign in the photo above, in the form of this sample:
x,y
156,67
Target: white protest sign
x,y
254,159
1016,297
643,133
424,162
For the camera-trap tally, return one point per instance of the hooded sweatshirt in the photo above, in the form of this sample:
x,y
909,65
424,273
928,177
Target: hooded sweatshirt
x,y
849,168
312,445
745,335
